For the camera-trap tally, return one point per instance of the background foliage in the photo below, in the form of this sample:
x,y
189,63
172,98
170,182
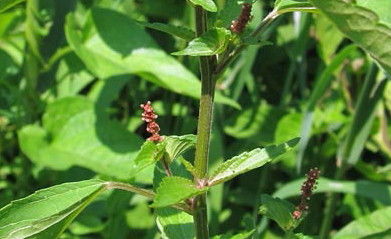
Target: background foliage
x,y
73,74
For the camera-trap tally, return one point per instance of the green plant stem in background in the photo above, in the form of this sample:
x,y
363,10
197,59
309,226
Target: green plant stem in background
x,y
258,30
330,207
203,131
352,148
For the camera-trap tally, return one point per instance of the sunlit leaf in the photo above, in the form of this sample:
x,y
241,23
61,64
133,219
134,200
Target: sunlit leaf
x,y
373,190
243,235
111,44
174,224
208,5
47,212
283,6
278,210
362,25
149,154
374,225
210,43
177,145
173,190
249,160
72,134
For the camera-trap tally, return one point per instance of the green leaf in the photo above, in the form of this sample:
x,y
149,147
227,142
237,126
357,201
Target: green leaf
x,y
212,42
283,6
39,18
7,4
189,167
279,211
374,225
110,44
255,40
321,85
302,236
361,25
249,160
172,223
72,134
173,190
47,212
364,115
368,189
208,5
243,235
380,7
178,31
229,12
177,145
149,154
175,224
251,121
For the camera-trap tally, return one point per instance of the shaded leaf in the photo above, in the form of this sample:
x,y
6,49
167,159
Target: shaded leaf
x,y
279,211
178,31
7,4
374,225
212,42
249,160
47,212
361,25
173,190
252,121
208,5
321,85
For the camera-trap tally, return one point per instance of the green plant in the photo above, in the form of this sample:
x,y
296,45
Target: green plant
x,y
70,99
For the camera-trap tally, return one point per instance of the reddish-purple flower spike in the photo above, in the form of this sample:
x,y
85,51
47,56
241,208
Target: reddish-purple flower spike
x,y
238,25
306,192
149,116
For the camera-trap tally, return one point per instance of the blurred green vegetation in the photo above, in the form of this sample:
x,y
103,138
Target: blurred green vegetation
x,y
73,74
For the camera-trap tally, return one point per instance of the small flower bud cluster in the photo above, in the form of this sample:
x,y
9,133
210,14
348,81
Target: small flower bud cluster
x,y
306,192
238,25
149,116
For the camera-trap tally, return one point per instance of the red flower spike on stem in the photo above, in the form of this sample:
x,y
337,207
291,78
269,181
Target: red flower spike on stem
x,y
149,116
306,192
238,25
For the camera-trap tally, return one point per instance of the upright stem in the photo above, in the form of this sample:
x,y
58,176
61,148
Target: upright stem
x,y
330,207
203,131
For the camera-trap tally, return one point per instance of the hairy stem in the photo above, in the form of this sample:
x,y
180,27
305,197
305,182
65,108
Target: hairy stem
x,y
203,131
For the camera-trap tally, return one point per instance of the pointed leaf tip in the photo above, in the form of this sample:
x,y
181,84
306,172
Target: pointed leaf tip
x,y
250,160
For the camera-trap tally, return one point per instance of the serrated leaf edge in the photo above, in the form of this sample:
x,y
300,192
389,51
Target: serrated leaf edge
x,y
200,191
